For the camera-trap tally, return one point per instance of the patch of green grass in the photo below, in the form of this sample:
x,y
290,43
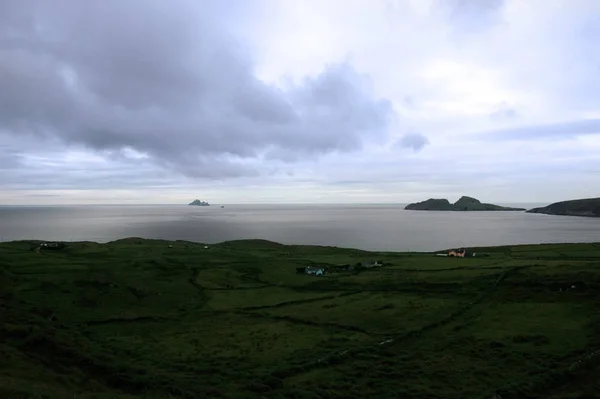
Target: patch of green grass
x,y
268,296
551,327
378,312
437,262
172,319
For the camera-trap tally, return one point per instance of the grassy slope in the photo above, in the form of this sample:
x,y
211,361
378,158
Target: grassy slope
x,y
135,318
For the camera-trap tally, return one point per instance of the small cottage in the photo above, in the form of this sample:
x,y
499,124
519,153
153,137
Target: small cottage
x,y
460,253
315,271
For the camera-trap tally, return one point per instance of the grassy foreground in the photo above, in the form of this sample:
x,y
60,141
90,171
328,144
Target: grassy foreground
x,y
155,319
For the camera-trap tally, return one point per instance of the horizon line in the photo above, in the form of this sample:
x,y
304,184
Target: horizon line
x,y
242,203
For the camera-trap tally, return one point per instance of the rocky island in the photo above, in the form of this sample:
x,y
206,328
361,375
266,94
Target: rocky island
x,y
589,207
199,203
463,204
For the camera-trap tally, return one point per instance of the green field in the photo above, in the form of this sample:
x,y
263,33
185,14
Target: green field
x,y
141,318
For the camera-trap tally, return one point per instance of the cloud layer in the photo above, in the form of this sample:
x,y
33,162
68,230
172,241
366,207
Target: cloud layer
x,y
169,84
326,101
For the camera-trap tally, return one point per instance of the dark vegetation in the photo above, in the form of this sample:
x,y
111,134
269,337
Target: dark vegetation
x,y
580,207
155,319
463,204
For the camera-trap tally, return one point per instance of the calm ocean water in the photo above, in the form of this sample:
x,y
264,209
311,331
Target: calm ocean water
x,y
370,227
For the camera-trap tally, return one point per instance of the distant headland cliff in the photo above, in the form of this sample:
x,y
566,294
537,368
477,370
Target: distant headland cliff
x,y
199,203
580,207
463,204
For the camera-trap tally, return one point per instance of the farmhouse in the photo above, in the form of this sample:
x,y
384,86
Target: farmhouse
x,y
315,271
460,253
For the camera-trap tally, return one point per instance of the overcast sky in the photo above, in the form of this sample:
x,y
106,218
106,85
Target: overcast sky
x,y
277,101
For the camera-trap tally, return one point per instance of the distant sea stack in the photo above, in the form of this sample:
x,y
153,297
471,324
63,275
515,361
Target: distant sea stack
x,y
199,203
589,207
463,204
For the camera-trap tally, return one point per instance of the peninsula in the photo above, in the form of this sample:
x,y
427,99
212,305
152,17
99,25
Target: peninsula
x,y
463,204
589,207
197,202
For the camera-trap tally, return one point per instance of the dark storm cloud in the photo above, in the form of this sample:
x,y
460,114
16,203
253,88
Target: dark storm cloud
x,y
414,141
164,79
557,130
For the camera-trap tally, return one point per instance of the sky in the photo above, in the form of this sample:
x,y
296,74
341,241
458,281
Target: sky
x,y
287,101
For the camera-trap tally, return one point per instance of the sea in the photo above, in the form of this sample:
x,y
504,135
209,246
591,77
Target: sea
x,y
385,227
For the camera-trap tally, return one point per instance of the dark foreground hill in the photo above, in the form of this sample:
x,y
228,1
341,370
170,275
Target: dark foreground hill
x,y
155,319
579,207
463,204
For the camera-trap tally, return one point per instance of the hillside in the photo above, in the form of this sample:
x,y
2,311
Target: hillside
x,y
171,319
463,204
581,207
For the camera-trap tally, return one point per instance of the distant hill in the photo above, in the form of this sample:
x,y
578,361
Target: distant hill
x,y
589,207
432,204
199,203
463,204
